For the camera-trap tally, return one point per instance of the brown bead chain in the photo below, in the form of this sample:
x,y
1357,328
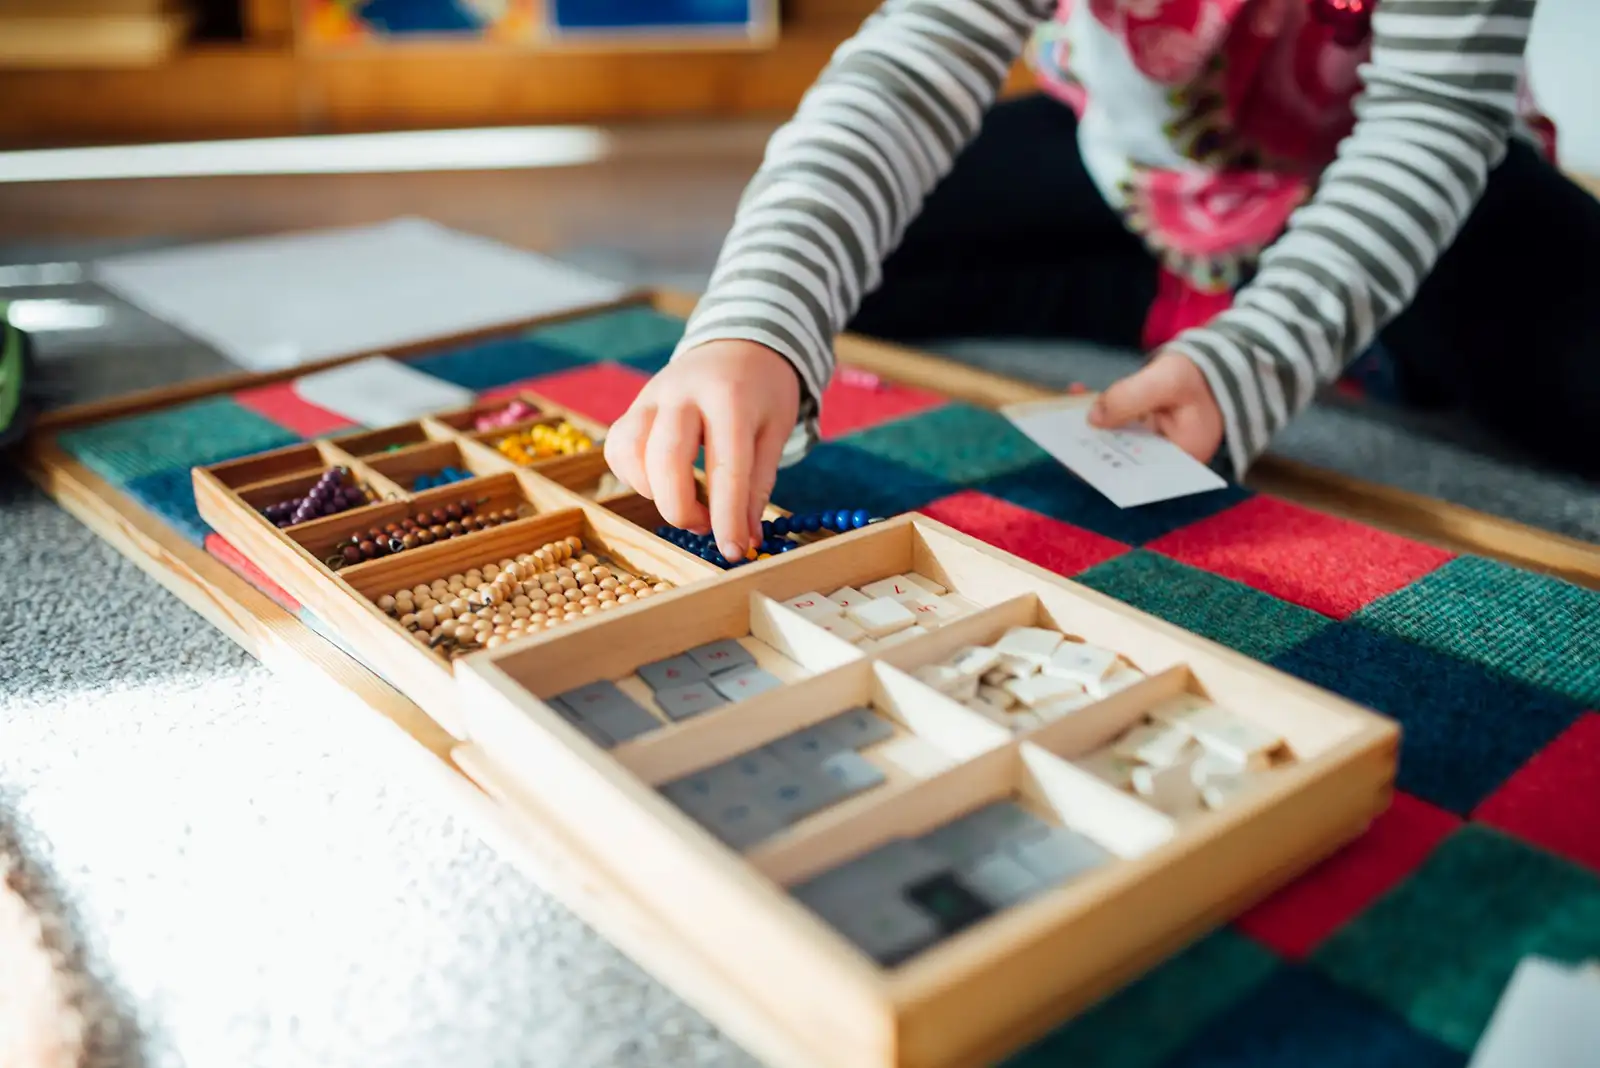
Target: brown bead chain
x,y
487,606
423,528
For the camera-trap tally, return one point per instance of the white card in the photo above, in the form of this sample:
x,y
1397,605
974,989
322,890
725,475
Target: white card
x,y
1131,467
1548,1016
378,391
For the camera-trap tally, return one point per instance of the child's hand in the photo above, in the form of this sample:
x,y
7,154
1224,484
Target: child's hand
x,y
742,400
1172,397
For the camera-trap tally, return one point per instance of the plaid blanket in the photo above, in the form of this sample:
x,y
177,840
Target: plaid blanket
x,y
1392,953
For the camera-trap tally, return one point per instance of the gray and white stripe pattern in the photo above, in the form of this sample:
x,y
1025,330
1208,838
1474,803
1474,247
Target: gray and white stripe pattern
x,y
899,100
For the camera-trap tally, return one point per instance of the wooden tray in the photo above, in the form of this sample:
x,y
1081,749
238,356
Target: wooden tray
x,y
548,495
987,989
984,987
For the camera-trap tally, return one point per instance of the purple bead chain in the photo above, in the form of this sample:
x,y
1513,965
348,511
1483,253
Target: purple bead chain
x,y
329,496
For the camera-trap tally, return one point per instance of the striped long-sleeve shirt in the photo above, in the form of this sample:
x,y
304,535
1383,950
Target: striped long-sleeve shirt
x,y
1432,100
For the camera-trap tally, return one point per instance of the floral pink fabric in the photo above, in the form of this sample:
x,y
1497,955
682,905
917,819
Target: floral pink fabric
x,y
1260,95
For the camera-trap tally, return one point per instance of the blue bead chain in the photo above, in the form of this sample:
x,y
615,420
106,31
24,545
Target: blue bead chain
x,y
440,478
777,535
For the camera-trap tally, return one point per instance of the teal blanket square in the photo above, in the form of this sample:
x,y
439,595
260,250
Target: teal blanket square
x,y
141,445
627,334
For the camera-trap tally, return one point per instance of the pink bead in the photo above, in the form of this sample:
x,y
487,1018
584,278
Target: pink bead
x,y
854,376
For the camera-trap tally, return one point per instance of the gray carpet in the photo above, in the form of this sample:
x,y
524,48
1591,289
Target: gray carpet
x,y
239,874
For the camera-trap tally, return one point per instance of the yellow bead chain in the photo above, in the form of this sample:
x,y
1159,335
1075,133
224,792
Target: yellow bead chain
x,y
543,441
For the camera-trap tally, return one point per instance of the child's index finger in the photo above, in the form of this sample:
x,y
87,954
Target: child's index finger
x,y
669,463
730,453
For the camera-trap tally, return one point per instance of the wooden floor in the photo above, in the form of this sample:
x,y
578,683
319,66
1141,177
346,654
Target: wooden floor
x,y
664,193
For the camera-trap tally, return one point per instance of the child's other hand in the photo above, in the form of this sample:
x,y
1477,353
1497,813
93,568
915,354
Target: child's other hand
x,y
1172,397
741,399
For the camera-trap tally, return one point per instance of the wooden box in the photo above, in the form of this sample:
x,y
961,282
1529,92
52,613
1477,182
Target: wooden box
x,y
747,923
991,987
555,498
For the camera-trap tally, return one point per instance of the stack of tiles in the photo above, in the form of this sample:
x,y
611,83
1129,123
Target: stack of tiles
x,y
1187,755
1030,677
683,686
891,610
750,798
706,677
906,895
604,713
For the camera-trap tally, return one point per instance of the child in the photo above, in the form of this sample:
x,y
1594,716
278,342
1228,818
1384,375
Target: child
x,y
1252,190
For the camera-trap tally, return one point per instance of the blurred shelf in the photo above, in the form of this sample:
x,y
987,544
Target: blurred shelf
x,y
77,34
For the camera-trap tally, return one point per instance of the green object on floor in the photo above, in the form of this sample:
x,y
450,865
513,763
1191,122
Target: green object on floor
x,y
16,411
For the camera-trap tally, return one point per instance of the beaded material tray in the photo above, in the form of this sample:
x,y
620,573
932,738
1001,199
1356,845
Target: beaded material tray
x,y
375,534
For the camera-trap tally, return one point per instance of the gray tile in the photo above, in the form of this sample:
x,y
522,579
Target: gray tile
x,y
805,748
1058,855
853,772
795,795
595,734
719,656
982,831
585,699
1001,880
881,872
738,684
681,702
889,930
621,720
858,728
740,822
673,671
756,767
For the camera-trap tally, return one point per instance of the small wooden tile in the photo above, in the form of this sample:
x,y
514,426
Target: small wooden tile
x,y
1033,644
814,606
894,587
1036,691
1081,661
848,597
881,617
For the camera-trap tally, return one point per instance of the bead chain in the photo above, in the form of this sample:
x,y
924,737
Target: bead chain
x,y
331,495
424,528
484,607
777,535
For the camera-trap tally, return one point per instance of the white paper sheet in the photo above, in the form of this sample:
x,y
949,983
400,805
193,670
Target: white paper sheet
x,y
278,302
1131,467
1548,1017
378,391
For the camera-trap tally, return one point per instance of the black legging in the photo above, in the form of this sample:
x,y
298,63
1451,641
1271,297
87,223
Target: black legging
x,y
1018,242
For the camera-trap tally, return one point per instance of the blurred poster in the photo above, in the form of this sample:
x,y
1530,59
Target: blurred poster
x,y
336,23
345,22
636,15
